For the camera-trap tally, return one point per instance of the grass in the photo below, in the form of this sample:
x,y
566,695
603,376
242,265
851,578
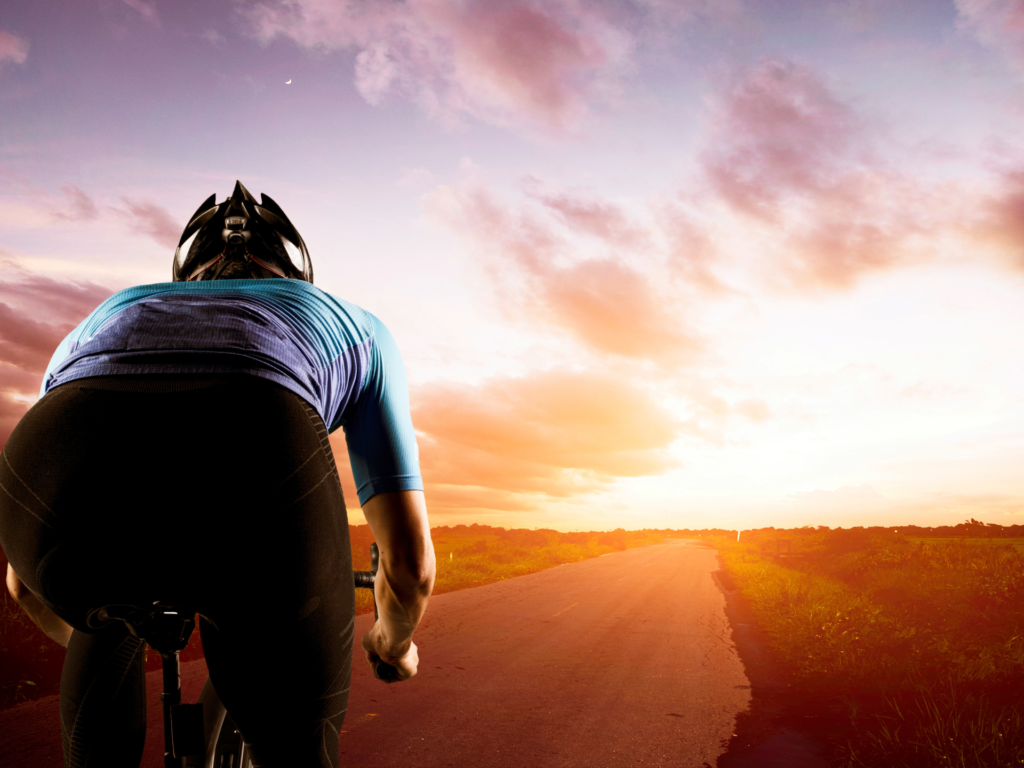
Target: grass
x,y
1017,544
474,555
922,641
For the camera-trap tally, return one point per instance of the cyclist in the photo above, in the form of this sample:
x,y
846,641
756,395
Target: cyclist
x,y
179,454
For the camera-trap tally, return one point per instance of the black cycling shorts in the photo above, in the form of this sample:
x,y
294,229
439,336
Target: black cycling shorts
x,y
221,495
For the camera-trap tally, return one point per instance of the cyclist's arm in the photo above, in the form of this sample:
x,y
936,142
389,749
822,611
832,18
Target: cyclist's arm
x,y
54,626
405,575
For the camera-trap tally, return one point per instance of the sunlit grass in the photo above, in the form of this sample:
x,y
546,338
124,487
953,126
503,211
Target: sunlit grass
x,y
1017,544
923,640
471,556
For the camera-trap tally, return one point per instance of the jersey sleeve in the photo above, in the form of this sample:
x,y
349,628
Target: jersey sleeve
x,y
379,432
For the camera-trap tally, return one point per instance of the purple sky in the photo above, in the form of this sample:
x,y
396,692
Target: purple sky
x,y
650,263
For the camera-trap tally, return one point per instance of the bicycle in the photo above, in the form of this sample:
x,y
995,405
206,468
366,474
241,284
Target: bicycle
x,y
200,735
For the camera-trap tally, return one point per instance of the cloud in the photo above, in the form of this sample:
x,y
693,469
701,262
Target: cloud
x,y
148,10
212,36
1000,220
604,302
779,130
754,409
509,63
26,343
77,205
594,217
692,251
36,313
414,177
153,221
997,23
797,162
558,433
12,48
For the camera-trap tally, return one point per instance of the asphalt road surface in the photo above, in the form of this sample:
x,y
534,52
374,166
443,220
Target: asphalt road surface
x,y
626,659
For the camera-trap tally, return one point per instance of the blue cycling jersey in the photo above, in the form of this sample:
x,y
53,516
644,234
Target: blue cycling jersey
x,y
336,356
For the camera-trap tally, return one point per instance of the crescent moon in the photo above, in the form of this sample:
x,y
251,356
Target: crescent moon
x,y
288,81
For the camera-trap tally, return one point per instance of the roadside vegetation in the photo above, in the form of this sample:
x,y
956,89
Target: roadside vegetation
x,y
918,638
474,555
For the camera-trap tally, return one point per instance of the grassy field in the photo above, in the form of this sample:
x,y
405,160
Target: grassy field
x,y
467,556
473,555
1017,544
920,641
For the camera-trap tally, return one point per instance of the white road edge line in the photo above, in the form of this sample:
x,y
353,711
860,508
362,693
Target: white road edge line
x,y
555,615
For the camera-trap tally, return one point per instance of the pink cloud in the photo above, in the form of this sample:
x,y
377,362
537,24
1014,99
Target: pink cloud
x,y
998,23
36,313
26,343
77,205
12,48
15,399
154,221
59,301
779,130
597,218
148,10
795,158
607,304
514,62
692,252
1001,218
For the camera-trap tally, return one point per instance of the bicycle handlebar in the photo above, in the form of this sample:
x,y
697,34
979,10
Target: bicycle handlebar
x,y
364,580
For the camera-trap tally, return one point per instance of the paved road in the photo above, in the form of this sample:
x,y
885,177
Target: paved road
x,y
622,660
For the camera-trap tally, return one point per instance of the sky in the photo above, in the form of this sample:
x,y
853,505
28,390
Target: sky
x,y
650,263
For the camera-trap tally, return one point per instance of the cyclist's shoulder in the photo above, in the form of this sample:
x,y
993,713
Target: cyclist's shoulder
x,y
308,309
297,295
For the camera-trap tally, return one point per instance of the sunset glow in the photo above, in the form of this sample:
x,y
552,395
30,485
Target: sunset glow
x,y
649,263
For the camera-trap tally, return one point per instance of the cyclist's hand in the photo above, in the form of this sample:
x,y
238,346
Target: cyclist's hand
x,y
405,660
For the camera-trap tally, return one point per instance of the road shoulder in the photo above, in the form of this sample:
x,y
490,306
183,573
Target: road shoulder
x,y
782,728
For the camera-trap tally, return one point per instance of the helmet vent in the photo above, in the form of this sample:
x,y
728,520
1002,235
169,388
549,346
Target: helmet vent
x,y
262,232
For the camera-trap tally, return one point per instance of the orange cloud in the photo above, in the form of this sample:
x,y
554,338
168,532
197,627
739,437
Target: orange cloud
x,y
605,303
1001,218
613,308
507,441
692,252
555,431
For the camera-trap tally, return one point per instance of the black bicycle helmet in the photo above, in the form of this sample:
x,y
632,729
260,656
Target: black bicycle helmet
x,y
240,238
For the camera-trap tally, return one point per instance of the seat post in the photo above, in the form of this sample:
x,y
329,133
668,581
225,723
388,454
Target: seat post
x,y
170,697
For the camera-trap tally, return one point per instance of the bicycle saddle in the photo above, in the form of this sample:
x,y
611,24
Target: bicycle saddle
x,y
167,628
